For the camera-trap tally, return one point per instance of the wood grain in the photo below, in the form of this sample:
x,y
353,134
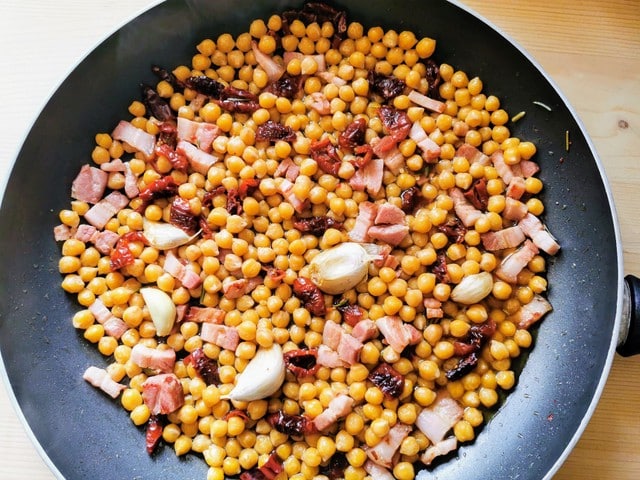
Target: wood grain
x,y
591,49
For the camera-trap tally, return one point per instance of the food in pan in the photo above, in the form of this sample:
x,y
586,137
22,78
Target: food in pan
x,y
311,250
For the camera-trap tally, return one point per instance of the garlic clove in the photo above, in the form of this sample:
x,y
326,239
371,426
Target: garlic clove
x,y
340,268
165,236
262,376
161,309
473,288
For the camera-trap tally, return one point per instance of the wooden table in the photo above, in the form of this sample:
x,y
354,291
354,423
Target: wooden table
x,y
589,47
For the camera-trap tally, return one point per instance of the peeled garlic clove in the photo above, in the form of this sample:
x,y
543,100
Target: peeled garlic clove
x,y
473,288
161,308
340,268
165,236
262,376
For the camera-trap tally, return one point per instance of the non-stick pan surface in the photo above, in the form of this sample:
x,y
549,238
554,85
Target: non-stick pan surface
x,y
87,435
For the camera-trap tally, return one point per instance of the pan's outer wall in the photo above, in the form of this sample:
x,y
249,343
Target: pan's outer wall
x,y
87,435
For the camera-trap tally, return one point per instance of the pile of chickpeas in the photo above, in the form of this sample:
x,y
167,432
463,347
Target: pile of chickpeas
x,y
264,235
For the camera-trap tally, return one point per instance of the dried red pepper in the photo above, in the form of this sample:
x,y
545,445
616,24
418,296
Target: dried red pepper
x,y
121,255
387,379
310,295
153,433
295,425
326,155
302,362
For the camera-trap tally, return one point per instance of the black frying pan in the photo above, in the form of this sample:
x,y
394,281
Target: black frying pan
x,y
87,435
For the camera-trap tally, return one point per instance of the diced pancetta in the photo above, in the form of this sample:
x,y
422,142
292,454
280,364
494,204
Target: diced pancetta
x,y
349,349
286,189
200,134
440,417
174,267
199,160
163,393
328,357
392,157
531,312
319,102
116,165
526,168
538,233
331,77
426,102
130,182
272,68
113,325
369,177
514,209
232,288
397,333
438,449
433,308
340,406
288,169
383,452
391,234
365,330
389,214
366,215
105,240
515,262
220,335
100,378
509,237
377,472
516,188
134,136
504,170
62,232
466,212
161,360
472,154
205,314
430,149
86,233
100,214
332,334
89,185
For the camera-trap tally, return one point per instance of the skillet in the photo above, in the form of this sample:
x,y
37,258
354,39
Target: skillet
x,y
585,226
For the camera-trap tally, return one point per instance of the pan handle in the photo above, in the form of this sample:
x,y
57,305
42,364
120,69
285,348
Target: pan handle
x,y
629,339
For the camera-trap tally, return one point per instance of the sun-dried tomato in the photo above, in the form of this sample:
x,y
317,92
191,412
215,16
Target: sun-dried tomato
x,y
351,313
354,134
287,86
160,188
153,433
274,131
364,155
121,255
234,202
410,198
180,215
302,362
178,161
206,367
205,85
168,135
387,379
478,195
387,87
326,155
395,123
268,471
247,187
316,225
310,295
157,105
470,348
295,425
454,230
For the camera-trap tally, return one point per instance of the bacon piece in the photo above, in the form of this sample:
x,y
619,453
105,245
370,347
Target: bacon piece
x,y
514,263
365,330
516,188
100,214
199,160
389,214
62,232
115,165
377,471
302,362
318,101
205,314
134,136
100,378
331,77
272,68
311,296
538,233
156,359
329,358
174,267
294,425
349,349
319,59
200,134
531,312
440,417
288,169
163,393
426,102
113,325
364,220
433,308
391,234
472,154
233,288
430,149
464,210
286,189
392,157
525,168
438,449
506,238
514,209
220,335
89,185
130,182
332,334
383,452
504,170
397,333
369,177
340,406
387,379
86,233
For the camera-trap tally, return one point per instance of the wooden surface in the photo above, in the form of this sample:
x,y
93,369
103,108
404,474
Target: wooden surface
x,y
590,48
